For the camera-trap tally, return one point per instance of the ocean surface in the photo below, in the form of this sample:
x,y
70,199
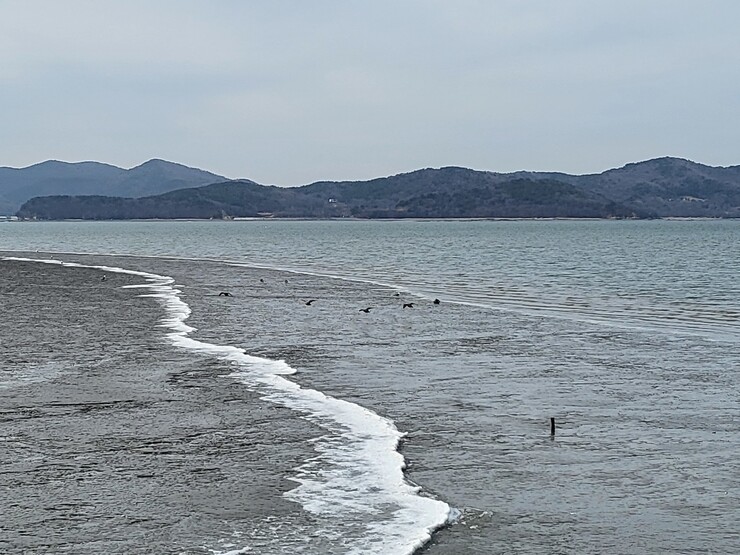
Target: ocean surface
x,y
391,431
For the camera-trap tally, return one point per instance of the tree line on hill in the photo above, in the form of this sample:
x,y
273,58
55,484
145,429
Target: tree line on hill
x,y
663,187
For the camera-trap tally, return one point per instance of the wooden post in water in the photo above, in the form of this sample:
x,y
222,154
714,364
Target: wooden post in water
x,y
552,427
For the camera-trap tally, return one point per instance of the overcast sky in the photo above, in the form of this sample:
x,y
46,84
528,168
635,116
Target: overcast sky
x,y
290,92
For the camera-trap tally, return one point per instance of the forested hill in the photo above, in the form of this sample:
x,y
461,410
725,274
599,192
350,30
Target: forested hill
x,y
662,187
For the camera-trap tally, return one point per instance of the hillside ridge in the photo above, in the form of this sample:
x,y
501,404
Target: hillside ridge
x,y
655,188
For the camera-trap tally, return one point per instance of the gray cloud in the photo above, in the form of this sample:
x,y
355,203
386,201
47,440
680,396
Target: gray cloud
x,y
289,92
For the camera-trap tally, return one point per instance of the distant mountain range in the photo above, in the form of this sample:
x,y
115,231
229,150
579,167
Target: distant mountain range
x,y
52,177
663,187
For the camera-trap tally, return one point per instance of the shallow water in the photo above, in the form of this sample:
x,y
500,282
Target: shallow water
x,y
626,332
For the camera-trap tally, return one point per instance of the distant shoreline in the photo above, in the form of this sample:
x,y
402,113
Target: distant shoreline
x,y
349,219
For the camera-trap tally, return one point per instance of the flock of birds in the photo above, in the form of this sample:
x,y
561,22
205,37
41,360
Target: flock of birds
x,y
311,301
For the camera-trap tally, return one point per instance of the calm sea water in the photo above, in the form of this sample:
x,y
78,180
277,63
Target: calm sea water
x,y
627,332
679,275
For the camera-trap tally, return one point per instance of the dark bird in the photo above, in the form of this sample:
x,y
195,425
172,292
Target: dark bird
x,y
366,310
396,294
286,281
225,294
103,278
308,303
408,305
436,301
262,280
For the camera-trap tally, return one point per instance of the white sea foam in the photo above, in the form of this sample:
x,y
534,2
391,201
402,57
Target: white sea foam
x,y
357,474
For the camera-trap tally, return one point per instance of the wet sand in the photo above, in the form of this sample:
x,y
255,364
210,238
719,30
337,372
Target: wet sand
x,y
113,441
641,463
